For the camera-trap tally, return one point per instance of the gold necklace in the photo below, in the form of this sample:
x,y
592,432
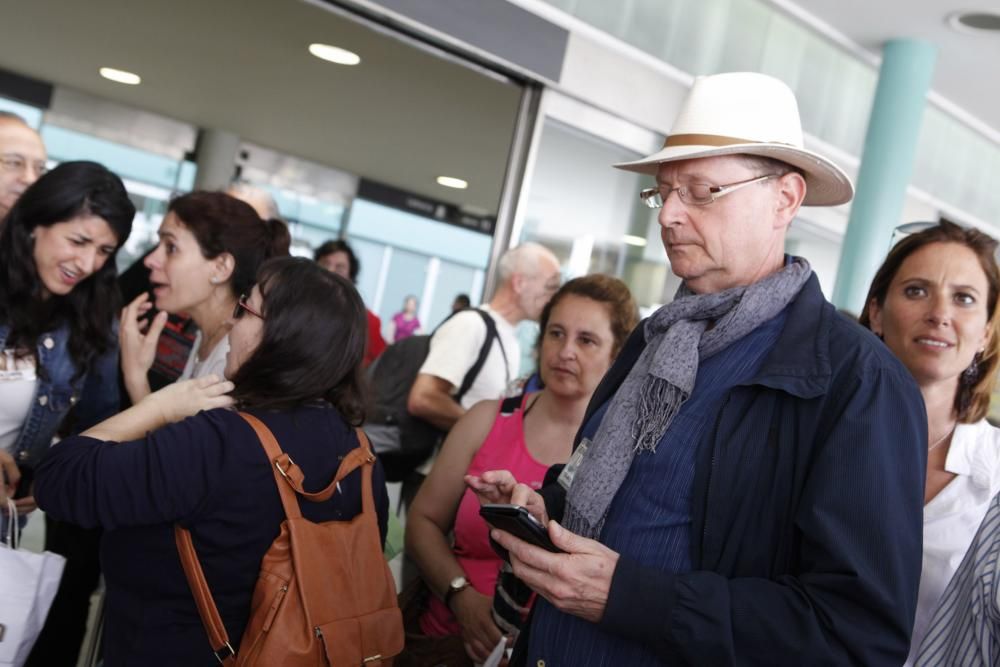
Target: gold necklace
x,y
211,341
942,438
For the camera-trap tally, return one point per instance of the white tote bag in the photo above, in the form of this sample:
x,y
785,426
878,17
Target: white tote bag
x,y
28,583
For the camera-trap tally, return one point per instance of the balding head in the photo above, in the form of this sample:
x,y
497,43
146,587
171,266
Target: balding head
x,y
260,199
22,159
531,272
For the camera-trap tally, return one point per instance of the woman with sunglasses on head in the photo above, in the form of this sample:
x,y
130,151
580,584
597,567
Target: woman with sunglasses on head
x,y
59,349
934,303
180,456
211,245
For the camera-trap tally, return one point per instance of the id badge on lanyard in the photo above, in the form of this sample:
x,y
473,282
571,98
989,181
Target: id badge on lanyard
x,y
569,470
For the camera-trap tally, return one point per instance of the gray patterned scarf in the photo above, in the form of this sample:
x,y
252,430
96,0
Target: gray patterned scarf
x,y
677,339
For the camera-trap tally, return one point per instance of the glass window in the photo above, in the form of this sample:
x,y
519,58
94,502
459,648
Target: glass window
x,y
31,115
589,213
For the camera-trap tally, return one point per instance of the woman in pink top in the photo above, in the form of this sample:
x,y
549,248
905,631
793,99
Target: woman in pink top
x,y
405,323
582,329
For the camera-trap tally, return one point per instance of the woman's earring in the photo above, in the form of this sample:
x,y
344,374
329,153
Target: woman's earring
x,y
971,374
213,280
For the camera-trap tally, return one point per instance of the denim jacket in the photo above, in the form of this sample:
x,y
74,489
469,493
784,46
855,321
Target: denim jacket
x,y
57,391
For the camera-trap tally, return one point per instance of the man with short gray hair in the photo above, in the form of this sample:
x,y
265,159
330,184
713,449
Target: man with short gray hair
x,y
22,159
529,276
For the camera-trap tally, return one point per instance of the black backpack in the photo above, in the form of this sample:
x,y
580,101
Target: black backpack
x,y
403,442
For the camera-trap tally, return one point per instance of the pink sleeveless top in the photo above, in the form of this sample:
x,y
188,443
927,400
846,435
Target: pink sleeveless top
x,y
503,449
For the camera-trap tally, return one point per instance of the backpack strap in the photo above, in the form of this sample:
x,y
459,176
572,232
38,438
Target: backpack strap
x,y
484,352
209,613
287,473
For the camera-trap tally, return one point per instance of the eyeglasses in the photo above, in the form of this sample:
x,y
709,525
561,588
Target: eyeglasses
x,y
242,305
14,162
695,194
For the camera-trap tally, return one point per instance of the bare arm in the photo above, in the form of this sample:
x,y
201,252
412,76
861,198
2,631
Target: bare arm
x,y
432,517
430,399
9,476
170,404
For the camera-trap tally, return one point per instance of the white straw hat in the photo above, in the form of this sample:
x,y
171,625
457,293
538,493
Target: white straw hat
x,y
752,114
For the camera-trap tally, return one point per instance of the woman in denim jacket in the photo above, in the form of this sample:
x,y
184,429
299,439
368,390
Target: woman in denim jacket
x,y
58,299
57,304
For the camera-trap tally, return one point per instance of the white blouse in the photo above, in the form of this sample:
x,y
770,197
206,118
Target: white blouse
x,y
952,517
215,362
18,381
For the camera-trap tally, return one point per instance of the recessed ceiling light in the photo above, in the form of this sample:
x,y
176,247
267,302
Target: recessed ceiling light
x,y
334,54
634,240
120,76
975,21
452,182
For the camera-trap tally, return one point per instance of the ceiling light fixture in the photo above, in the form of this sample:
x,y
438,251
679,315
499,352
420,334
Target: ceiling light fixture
x,y
971,21
120,76
634,240
334,54
452,182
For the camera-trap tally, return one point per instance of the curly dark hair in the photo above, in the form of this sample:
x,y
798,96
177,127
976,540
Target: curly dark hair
x,y
312,344
339,245
71,190
972,400
610,292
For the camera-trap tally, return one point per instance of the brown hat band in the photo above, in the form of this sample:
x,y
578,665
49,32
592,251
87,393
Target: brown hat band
x,y
704,140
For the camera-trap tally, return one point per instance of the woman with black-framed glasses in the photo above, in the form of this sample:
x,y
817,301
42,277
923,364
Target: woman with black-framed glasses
x,y
211,245
180,456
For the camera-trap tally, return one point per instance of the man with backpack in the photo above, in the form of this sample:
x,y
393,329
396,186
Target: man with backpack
x,y
423,384
529,276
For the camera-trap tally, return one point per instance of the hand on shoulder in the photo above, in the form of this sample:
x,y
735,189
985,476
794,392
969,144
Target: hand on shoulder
x,y
189,397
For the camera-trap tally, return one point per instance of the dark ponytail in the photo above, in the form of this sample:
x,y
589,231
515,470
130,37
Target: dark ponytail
x,y
281,239
223,224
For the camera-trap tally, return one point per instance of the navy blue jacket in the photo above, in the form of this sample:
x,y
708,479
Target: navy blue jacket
x,y
806,511
210,474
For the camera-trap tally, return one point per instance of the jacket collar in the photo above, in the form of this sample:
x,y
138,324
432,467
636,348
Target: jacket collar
x,y
799,362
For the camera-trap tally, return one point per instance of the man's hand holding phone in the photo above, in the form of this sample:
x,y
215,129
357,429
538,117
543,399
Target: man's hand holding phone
x,y
498,487
577,580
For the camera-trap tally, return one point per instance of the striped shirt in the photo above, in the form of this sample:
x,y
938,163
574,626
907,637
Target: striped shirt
x,y
965,629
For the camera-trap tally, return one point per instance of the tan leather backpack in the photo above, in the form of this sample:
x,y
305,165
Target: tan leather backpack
x,y
324,595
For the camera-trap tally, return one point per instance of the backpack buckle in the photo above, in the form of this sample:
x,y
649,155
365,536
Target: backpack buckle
x,y
224,653
277,464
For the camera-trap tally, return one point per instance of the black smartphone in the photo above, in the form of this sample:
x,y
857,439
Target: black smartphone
x,y
518,522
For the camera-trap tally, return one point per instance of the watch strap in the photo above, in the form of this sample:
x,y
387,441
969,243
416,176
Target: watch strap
x,y
452,590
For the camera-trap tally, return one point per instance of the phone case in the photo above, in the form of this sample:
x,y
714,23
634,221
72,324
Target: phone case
x,y
518,522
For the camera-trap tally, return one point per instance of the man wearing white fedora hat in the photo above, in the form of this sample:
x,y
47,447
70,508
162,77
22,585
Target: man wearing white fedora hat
x,y
747,485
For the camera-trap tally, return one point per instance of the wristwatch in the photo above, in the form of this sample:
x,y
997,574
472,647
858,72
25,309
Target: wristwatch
x,y
457,584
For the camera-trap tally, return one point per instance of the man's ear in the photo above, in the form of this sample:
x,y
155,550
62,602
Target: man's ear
x,y
791,192
517,282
